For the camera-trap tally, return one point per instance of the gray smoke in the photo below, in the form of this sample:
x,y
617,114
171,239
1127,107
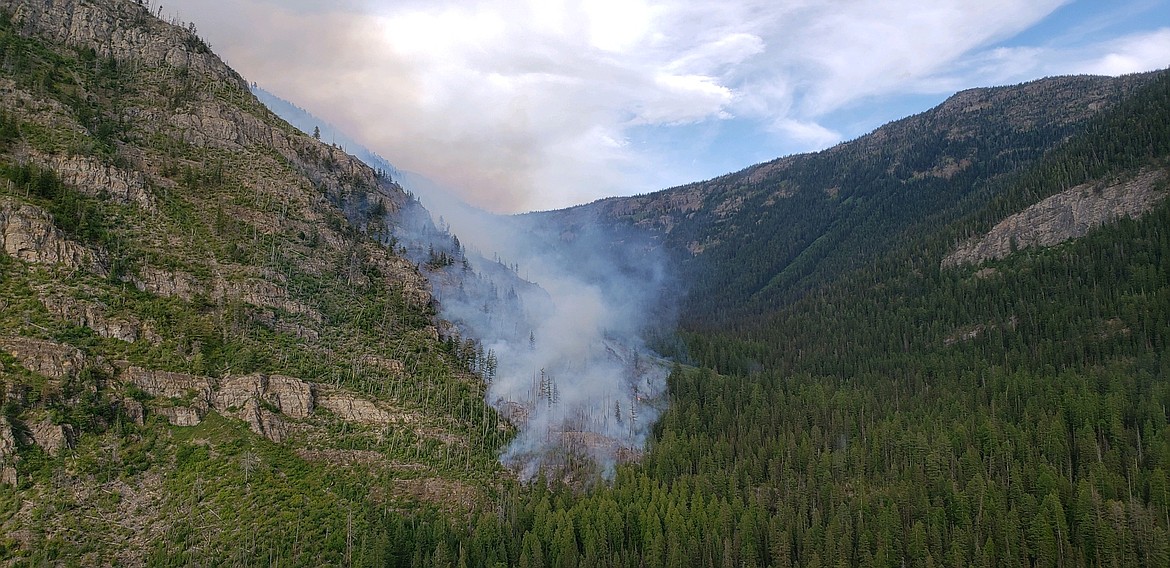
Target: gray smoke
x,y
550,310
556,317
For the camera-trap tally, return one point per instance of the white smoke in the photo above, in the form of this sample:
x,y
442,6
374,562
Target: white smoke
x,y
557,317
551,311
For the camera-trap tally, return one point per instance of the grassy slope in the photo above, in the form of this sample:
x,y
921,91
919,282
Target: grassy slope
x,y
282,281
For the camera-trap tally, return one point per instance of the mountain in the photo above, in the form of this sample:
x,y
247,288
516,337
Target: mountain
x,y
751,241
944,342
222,341
206,349
309,123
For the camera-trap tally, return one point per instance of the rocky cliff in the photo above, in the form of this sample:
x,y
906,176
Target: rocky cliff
x,y
1064,216
27,233
184,274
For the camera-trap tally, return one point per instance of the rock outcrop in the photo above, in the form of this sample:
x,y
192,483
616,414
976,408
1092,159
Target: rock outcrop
x,y
258,289
291,396
263,401
93,315
294,397
263,421
1064,216
94,178
181,415
166,283
8,455
27,233
103,25
170,385
47,358
53,437
351,408
196,393
134,410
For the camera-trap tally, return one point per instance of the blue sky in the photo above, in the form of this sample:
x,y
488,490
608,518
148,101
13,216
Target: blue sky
x,y
537,104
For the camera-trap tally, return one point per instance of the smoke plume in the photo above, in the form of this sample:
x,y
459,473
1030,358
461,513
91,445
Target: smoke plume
x,y
554,318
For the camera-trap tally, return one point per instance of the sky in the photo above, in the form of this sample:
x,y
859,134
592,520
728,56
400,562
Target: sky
x,y
521,105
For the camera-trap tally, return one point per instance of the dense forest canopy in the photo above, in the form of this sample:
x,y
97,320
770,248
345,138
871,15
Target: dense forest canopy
x,y
841,396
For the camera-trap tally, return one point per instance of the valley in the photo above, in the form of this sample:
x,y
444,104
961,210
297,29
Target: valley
x,y
227,341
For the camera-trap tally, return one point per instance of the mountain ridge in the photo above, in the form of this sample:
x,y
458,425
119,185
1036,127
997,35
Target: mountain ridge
x,y
809,209
218,343
201,310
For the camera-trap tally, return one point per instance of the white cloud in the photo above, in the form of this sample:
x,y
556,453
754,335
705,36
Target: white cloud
x,y
807,133
527,103
1139,52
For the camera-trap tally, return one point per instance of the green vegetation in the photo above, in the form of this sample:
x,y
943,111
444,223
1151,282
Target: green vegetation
x,y
217,260
854,404
1011,417
800,223
1012,414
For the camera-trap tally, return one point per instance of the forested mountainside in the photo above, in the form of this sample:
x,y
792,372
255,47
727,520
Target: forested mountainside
x,y
754,240
984,382
207,354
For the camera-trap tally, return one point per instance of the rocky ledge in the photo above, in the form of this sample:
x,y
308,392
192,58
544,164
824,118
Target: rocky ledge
x,y
27,233
1064,216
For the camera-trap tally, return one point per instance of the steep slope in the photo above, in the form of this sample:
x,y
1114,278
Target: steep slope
x,y
913,292
198,312
916,412
913,412
751,241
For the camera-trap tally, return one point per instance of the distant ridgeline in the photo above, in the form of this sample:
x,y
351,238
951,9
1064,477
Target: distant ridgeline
x,y
223,341
944,342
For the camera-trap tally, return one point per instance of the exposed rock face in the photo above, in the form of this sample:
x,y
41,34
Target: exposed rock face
x,y
7,439
8,455
134,411
263,421
244,397
197,389
405,276
181,415
253,399
94,178
1064,216
27,233
353,409
52,437
93,315
262,290
50,359
213,123
292,396
235,392
170,385
165,283
103,25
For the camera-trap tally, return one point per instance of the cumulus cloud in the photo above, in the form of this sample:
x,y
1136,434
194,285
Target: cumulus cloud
x,y
1132,54
524,104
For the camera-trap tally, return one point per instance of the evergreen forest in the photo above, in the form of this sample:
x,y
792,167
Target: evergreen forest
x,y
839,395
